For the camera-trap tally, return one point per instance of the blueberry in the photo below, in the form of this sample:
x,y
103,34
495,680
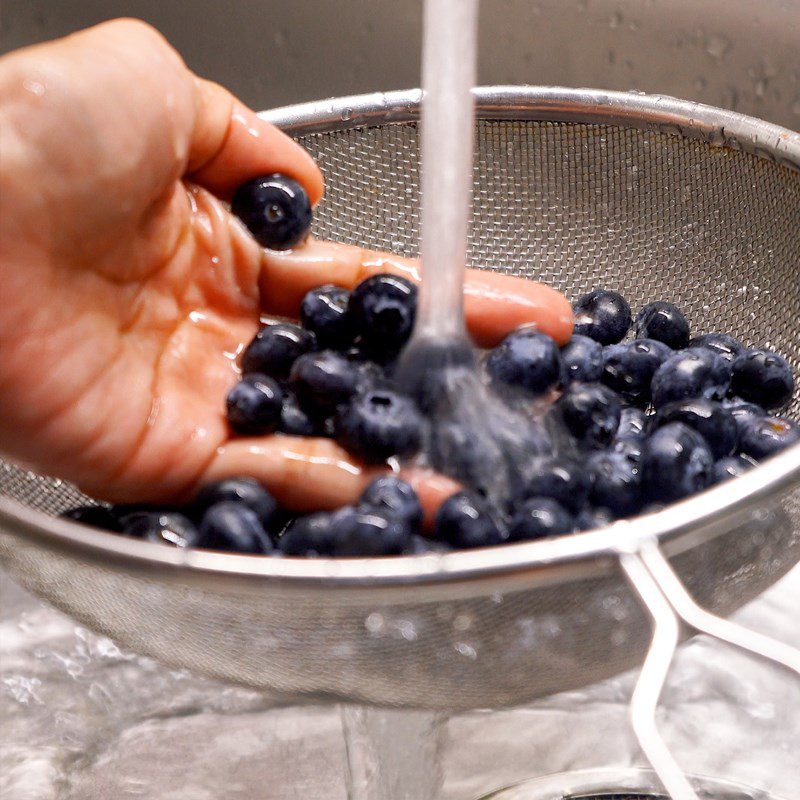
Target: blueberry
x,y
422,545
321,381
379,423
581,360
763,377
294,419
254,405
526,359
275,348
632,425
94,517
762,437
538,518
233,526
676,462
631,449
368,532
710,419
663,322
275,209
383,308
723,345
393,496
602,315
629,367
592,518
741,410
325,312
465,520
247,491
696,372
591,413
560,479
162,527
616,483
310,535
730,467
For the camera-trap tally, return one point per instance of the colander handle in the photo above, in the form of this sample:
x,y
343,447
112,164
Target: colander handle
x,y
668,603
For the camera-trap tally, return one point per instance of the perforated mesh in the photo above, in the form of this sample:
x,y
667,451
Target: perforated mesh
x,y
577,205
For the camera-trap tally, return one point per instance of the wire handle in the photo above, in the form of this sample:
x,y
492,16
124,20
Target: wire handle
x,y
667,602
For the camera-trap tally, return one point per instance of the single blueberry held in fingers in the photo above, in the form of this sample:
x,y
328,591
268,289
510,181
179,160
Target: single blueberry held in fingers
x,y
581,360
245,490
730,467
233,526
383,308
632,425
275,209
254,405
539,518
275,348
162,527
561,479
368,532
394,496
629,367
696,372
94,517
616,483
294,419
321,381
465,520
710,419
591,413
325,312
722,344
763,377
663,322
602,315
676,462
311,536
763,437
379,423
526,359
592,518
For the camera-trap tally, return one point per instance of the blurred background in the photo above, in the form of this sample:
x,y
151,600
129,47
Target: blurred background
x,y
739,54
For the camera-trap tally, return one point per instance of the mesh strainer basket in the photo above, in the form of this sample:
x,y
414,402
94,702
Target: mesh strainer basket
x,y
652,196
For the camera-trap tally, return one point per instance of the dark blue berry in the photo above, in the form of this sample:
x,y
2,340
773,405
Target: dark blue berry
x,y
602,315
162,527
368,532
275,348
723,345
247,491
538,518
763,377
740,410
630,449
94,517
616,483
710,419
581,360
383,308
465,520
629,367
730,467
233,526
321,381
325,312
422,545
591,413
762,437
526,359
310,535
696,372
663,322
561,479
393,496
632,425
378,423
254,405
592,518
294,419
275,209
676,462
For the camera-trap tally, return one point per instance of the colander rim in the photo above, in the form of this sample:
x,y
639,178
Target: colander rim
x,y
678,527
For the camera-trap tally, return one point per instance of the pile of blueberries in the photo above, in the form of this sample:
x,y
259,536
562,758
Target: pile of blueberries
x,y
650,420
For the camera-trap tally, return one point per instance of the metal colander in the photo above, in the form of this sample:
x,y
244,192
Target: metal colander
x,y
654,197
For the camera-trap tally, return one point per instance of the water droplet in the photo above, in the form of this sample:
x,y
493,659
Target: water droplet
x,y
616,20
34,87
347,113
717,46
